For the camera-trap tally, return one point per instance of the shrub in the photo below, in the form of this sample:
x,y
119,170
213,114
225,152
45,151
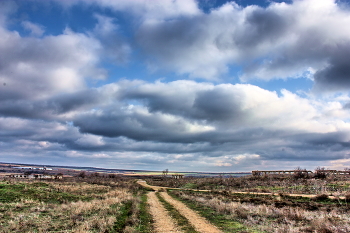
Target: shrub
x,y
320,173
347,197
82,174
300,173
321,197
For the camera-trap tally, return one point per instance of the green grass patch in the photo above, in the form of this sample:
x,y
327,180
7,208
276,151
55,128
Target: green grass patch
x,y
145,217
190,186
222,221
35,191
182,222
125,211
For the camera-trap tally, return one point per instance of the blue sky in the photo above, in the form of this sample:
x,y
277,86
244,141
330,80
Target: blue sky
x,y
185,85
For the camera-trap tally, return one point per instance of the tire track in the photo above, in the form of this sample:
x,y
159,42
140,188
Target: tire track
x,y
163,223
198,222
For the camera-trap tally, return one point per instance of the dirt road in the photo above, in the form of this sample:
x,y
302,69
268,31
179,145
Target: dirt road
x,y
158,212
163,223
198,222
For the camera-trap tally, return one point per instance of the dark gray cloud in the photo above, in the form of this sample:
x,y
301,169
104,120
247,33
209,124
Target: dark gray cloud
x,y
199,102
261,26
336,75
346,105
218,105
136,125
51,108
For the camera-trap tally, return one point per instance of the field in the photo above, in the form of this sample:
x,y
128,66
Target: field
x,y
123,204
89,205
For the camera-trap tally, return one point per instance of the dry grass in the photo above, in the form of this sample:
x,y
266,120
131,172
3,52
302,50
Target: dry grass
x,y
81,188
271,219
273,183
96,215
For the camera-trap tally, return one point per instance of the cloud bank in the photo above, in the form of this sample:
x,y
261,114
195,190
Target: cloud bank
x,y
51,112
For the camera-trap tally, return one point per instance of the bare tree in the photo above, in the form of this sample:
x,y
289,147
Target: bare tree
x,y
165,172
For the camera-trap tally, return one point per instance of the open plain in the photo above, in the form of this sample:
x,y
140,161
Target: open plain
x,y
98,202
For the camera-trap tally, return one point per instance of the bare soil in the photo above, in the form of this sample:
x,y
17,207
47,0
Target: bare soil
x,y
158,212
198,222
163,223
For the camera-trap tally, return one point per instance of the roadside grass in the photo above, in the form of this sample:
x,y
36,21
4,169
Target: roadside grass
x,y
125,212
181,221
133,215
321,200
146,221
219,220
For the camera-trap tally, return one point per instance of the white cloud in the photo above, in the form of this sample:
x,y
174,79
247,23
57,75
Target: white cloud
x,y
36,68
230,107
89,140
35,29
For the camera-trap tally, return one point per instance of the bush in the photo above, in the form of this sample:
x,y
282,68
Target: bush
x,y
82,174
300,173
347,197
320,173
321,197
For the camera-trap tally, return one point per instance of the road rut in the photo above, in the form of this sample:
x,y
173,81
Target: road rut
x,y
163,223
199,223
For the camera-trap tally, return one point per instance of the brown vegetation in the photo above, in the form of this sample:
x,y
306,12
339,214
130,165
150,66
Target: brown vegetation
x,y
96,202
269,218
89,206
338,185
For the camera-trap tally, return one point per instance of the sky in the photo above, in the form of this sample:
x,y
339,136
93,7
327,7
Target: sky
x,y
184,85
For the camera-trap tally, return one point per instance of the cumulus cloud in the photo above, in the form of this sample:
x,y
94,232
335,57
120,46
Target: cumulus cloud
x,y
280,41
306,39
57,107
48,110
213,120
45,77
245,123
239,106
35,68
114,46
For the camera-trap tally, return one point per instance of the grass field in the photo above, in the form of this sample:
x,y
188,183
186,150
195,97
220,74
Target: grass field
x,y
27,206
104,204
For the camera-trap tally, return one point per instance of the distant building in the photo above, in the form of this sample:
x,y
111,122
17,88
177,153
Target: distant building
x,y
177,176
35,168
36,176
